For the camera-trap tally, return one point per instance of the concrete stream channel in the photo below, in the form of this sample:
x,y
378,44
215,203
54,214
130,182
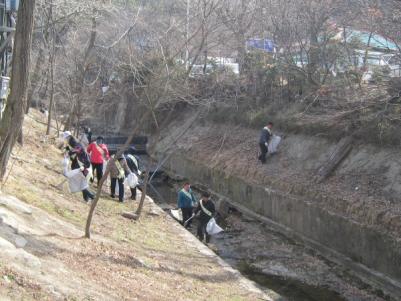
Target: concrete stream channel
x,y
269,258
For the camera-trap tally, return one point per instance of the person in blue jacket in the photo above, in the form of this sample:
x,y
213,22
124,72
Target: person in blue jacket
x,y
186,201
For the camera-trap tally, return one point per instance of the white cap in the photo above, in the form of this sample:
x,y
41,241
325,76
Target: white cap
x,y
66,134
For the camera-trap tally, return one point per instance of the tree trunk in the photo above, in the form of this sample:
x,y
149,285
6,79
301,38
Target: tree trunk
x,y
241,49
52,58
313,62
11,124
342,150
137,214
35,79
80,80
69,121
20,139
143,196
365,59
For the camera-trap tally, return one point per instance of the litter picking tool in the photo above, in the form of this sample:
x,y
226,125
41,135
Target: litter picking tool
x,y
187,221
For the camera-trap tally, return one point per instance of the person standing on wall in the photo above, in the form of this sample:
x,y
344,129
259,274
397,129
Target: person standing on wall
x,y
264,139
186,202
98,155
206,211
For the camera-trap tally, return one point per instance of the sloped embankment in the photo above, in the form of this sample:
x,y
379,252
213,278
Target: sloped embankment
x,y
44,256
355,214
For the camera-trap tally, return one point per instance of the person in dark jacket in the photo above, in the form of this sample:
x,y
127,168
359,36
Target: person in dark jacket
x,y
264,139
186,202
206,211
79,160
133,165
118,170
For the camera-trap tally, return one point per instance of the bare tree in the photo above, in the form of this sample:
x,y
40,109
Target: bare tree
x,y
11,124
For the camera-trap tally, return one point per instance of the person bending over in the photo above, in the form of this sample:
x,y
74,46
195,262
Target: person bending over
x,y
206,211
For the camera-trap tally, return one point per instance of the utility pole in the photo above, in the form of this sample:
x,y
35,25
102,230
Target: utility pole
x,y
187,37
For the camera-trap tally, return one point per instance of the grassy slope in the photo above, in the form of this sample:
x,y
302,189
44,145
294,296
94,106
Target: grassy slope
x,y
144,260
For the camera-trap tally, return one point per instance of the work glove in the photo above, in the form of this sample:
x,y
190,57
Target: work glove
x,y
85,171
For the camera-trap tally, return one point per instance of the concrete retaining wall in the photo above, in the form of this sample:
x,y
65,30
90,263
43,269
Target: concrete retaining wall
x,y
374,254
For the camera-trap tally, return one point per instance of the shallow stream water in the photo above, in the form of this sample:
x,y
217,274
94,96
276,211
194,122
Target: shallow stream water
x,y
272,260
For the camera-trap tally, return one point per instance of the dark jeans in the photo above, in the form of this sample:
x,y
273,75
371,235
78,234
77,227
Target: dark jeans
x,y
120,188
87,195
133,193
98,169
201,231
186,214
263,152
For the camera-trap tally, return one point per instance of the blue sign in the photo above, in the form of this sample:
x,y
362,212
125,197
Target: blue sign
x,y
263,44
12,5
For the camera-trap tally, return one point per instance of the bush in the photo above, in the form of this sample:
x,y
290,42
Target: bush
x,y
380,74
257,119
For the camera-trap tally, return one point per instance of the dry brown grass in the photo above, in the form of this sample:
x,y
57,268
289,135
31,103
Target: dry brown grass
x,y
142,260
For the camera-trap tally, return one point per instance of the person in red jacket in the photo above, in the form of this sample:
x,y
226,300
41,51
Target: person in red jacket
x,y
98,154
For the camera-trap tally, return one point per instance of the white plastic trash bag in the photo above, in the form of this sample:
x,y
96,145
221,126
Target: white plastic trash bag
x,y
177,214
76,180
132,180
64,163
213,228
273,144
105,166
117,189
89,176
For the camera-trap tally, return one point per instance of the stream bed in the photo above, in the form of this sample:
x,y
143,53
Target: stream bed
x,y
272,260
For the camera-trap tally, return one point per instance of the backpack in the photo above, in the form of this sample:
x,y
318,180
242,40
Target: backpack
x,y
83,157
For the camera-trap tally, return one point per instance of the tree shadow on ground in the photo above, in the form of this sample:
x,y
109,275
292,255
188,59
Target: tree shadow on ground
x,y
37,245
132,262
